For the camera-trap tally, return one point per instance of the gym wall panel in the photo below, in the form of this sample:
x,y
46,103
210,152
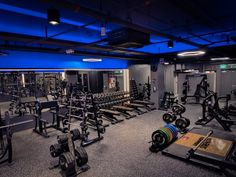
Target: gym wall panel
x,y
227,81
140,73
169,78
35,60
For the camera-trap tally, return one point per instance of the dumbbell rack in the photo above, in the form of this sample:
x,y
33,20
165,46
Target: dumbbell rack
x,y
86,103
133,89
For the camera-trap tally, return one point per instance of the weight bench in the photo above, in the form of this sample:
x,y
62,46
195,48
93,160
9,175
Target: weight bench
x,y
125,111
41,125
110,115
136,107
61,115
147,104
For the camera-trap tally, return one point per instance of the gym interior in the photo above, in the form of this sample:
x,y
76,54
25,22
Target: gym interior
x,y
122,88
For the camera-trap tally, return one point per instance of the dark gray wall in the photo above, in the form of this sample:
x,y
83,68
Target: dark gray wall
x,y
140,73
96,81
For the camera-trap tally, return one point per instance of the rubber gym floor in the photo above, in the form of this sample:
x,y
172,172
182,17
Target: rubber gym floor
x,y
122,153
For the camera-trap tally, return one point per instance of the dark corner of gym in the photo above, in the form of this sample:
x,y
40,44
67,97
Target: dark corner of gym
x,y
128,88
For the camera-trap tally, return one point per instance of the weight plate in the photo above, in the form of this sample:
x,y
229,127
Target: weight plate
x,y
167,134
81,156
66,161
168,117
55,150
169,131
188,121
178,109
75,134
181,123
62,139
173,129
159,138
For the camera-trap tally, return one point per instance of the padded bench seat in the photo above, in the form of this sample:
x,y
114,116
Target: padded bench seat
x,y
110,111
123,108
134,105
143,102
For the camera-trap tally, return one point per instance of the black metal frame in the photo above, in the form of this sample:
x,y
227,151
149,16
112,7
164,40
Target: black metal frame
x,y
203,85
213,111
206,159
41,125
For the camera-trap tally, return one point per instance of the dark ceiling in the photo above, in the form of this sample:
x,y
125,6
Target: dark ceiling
x,y
192,25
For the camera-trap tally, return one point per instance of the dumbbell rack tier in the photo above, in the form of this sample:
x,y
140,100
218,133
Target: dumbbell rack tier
x,y
86,102
134,89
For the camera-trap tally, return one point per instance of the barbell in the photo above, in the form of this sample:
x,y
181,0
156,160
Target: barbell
x,y
16,124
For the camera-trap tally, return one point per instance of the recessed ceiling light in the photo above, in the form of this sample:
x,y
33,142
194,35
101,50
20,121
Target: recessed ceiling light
x,y
53,22
191,53
92,59
170,44
220,58
166,63
53,16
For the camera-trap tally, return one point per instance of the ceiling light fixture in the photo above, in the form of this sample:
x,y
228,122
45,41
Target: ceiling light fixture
x,y
92,59
53,16
170,44
191,53
70,51
220,58
166,63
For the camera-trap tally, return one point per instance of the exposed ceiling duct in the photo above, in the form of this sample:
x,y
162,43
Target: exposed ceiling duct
x,y
77,46
102,16
128,38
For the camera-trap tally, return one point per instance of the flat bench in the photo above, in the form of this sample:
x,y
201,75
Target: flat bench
x,y
134,105
123,108
143,102
110,111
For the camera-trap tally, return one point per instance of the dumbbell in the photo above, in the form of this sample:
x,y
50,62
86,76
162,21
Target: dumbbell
x,y
178,109
169,117
63,139
182,123
56,150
